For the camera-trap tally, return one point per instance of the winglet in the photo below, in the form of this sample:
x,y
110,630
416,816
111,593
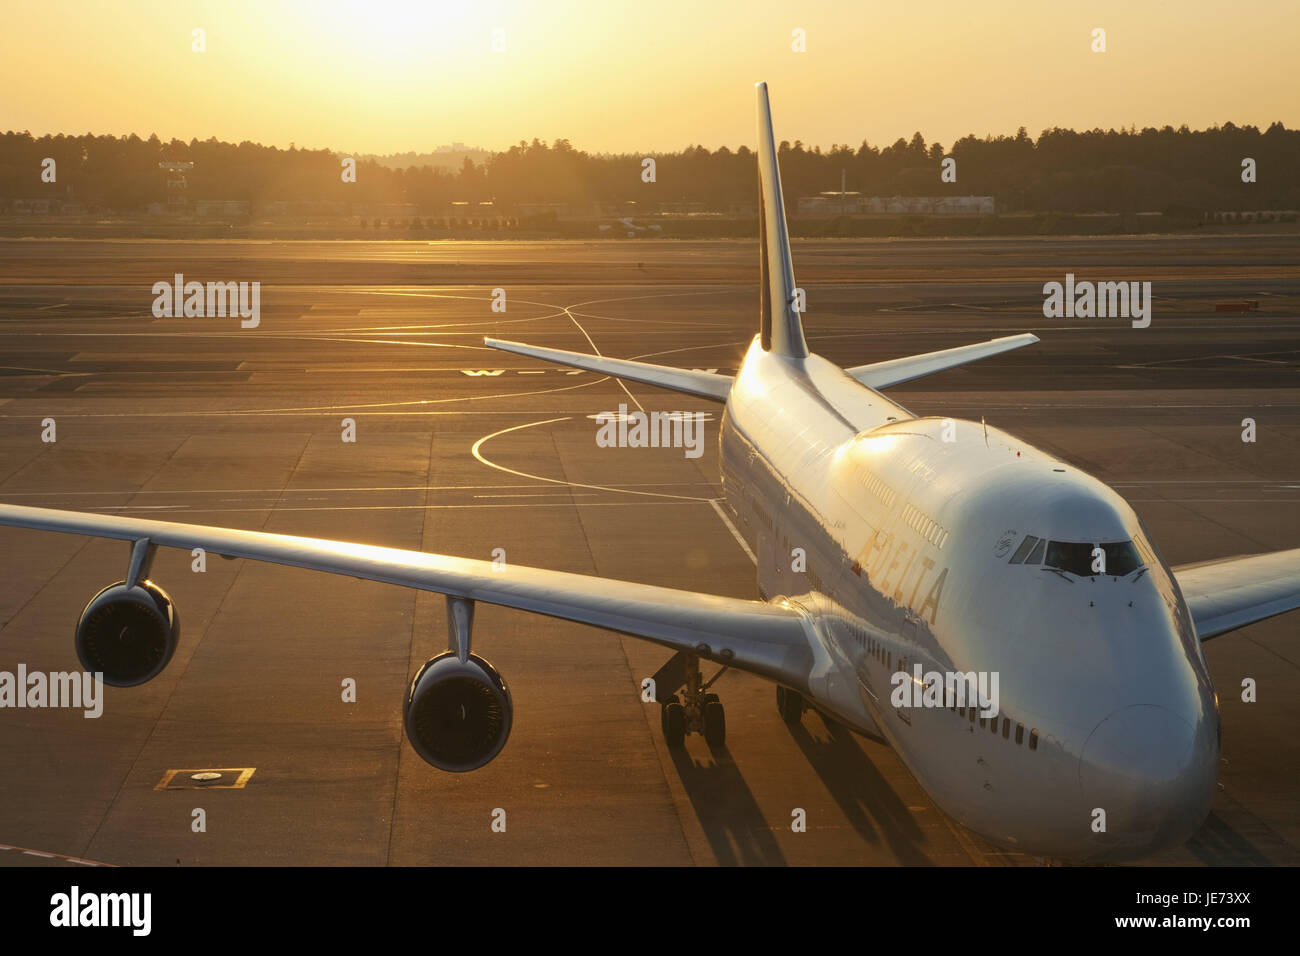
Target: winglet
x,y
781,328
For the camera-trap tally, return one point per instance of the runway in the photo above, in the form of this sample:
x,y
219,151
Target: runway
x,y
466,450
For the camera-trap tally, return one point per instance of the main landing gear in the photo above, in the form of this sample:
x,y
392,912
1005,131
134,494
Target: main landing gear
x,y
790,704
696,711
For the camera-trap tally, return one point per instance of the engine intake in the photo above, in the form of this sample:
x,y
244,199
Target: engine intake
x,y
128,634
458,714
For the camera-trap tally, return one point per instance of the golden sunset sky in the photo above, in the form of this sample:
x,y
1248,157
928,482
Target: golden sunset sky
x,y
387,75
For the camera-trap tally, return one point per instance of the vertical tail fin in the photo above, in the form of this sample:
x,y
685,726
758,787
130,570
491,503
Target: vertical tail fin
x,y
781,328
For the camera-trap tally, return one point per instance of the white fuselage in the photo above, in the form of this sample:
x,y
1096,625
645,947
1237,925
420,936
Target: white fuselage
x,y
897,534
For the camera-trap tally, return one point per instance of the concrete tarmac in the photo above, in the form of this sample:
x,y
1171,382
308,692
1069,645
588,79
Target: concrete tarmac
x,y
464,450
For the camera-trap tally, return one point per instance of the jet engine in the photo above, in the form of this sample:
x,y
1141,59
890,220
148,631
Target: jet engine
x,y
458,712
128,634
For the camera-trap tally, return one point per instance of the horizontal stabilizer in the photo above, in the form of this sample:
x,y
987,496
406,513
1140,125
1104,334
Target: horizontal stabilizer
x,y
883,374
701,384
1228,594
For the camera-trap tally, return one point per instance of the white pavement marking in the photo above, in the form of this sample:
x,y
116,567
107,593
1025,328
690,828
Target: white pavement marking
x,y
331,408
557,481
717,507
52,856
277,491
556,494
202,509
621,383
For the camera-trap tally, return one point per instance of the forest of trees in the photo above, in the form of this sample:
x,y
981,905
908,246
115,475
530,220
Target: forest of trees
x,y
1063,170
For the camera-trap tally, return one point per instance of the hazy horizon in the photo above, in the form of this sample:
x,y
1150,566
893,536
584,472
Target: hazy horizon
x,y
385,76
367,154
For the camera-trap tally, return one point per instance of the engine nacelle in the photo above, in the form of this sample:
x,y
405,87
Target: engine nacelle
x,y
128,634
458,715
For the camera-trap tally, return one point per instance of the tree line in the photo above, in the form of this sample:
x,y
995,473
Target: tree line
x,y
1062,170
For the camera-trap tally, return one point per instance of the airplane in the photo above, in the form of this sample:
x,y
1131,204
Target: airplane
x,y
932,546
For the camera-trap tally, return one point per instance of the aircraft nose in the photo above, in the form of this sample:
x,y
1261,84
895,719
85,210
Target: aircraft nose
x,y
1153,773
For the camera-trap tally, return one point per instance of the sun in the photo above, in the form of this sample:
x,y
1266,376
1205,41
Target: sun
x,y
398,33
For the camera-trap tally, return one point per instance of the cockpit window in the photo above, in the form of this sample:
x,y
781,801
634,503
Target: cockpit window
x,y
1030,551
1070,556
1024,548
1122,557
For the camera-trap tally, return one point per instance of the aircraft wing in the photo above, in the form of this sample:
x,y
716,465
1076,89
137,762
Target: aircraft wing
x,y
1231,593
772,640
701,384
894,371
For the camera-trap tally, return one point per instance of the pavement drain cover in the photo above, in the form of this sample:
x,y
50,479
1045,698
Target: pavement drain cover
x,y
216,778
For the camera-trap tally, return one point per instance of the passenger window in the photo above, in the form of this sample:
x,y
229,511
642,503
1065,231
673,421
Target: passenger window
x,y
1023,550
1033,739
1020,734
972,715
1006,727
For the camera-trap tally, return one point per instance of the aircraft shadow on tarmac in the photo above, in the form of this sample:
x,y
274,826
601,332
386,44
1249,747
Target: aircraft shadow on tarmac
x,y
739,833
731,818
864,796
1218,843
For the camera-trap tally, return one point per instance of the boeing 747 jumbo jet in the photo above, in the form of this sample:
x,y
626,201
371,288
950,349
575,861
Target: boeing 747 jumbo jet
x,y
997,616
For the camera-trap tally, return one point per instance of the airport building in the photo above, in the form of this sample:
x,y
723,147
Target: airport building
x,y
855,204
44,207
177,186
35,207
221,208
1254,215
